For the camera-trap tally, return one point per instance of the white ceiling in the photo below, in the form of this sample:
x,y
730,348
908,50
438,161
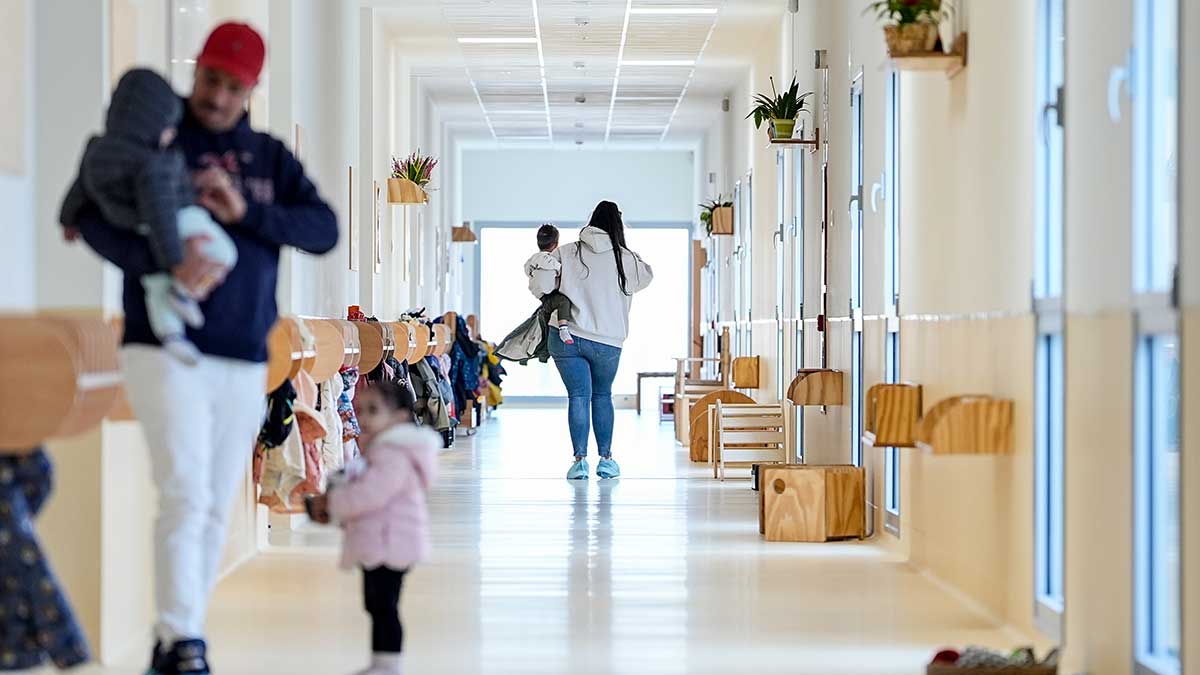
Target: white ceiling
x,y
557,79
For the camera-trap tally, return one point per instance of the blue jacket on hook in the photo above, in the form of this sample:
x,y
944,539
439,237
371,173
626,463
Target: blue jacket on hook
x,y
283,209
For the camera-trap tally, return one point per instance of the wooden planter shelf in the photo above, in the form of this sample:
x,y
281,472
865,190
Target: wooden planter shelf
x,y
951,64
967,425
722,221
404,191
463,235
816,386
746,371
893,411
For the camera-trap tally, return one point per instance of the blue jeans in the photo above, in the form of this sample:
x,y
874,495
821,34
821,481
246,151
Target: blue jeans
x,y
587,369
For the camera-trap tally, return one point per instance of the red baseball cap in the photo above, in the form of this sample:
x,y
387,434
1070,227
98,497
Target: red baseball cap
x,y
237,49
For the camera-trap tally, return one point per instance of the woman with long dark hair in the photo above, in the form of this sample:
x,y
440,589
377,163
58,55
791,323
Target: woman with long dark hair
x,y
600,275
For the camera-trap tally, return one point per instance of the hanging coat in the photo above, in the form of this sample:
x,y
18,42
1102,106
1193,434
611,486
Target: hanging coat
x,y
333,456
36,621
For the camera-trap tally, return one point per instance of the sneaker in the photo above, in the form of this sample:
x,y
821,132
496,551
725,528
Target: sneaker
x,y
186,657
579,470
564,334
186,307
608,468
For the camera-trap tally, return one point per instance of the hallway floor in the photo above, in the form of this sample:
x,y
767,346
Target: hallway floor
x,y
660,572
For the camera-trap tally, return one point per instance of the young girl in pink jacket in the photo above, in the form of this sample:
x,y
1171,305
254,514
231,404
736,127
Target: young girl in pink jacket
x,y
380,503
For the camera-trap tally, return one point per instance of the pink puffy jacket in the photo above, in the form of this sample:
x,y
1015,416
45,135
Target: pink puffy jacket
x,y
382,508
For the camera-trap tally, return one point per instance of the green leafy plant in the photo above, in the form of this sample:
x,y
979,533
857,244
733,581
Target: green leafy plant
x,y
415,167
904,12
707,208
777,106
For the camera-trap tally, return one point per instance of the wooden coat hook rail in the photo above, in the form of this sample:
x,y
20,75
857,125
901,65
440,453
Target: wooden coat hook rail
x,y
892,413
421,339
816,386
60,377
320,347
973,425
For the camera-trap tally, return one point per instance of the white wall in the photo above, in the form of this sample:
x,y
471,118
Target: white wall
x,y
17,261
565,185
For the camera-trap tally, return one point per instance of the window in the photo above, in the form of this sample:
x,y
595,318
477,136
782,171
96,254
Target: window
x,y
1156,371
780,269
891,292
735,267
1049,368
856,272
747,250
798,205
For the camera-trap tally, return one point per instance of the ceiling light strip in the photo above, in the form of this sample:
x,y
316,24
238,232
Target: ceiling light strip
x,y
674,10
612,100
482,108
665,63
500,40
688,83
537,30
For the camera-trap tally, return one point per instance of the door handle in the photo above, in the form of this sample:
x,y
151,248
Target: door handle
x,y
876,190
1119,75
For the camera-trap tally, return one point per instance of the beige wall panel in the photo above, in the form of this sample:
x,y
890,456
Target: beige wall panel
x,y
1099,493
827,433
970,517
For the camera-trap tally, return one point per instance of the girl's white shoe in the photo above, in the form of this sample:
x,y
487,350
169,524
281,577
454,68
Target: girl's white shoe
x,y
384,664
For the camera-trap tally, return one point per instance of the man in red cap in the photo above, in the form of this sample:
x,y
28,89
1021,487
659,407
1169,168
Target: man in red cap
x,y
200,421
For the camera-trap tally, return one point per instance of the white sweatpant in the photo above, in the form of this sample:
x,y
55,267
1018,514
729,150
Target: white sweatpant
x,y
200,424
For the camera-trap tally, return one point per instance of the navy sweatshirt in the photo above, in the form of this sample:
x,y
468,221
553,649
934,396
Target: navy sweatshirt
x,y
283,209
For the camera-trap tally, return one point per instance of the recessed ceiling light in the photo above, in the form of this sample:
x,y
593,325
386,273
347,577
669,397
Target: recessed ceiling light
x,y
673,10
581,99
648,98
579,125
580,65
497,41
681,62
516,112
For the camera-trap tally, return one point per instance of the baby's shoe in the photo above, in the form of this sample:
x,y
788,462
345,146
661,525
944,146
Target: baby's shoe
x,y
182,349
186,307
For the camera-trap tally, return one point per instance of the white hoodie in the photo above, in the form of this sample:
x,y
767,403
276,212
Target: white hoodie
x,y
601,309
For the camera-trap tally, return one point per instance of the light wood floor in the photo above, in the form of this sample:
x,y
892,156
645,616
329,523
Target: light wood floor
x,y
661,572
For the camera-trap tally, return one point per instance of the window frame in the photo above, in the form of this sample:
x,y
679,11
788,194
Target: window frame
x,y
1154,275
1049,428
857,179
891,294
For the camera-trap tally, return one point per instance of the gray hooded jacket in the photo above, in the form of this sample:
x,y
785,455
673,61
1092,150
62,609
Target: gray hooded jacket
x,y
136,184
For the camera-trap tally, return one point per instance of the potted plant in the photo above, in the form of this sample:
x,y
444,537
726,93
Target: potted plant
x,y
409,178
913,24
780,109
717,216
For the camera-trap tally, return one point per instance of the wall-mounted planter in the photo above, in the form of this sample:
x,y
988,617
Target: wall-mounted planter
x,y
967,425
746,372
934,61
404,191
463,235
893,411
722,220
816,386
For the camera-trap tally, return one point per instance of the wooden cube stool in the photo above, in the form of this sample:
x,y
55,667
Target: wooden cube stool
x,y
800,502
